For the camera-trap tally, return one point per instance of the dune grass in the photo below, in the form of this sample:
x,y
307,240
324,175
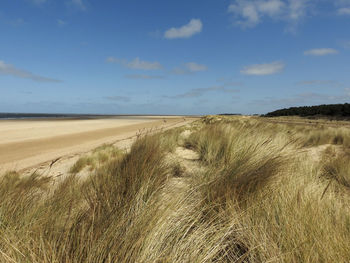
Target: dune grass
x,y
256,198
277,195
89,221
97,157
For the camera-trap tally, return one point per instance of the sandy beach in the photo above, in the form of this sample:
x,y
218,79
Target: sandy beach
x,y
29,143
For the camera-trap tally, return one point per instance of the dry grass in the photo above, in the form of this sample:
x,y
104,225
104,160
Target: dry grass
x,y
336,166
96,158
258,198
98,220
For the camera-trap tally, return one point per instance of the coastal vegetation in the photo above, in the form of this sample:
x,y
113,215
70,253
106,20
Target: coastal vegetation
x,y
330,110
223,189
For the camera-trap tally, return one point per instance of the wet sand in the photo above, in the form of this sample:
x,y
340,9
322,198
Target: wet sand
x,y
27,143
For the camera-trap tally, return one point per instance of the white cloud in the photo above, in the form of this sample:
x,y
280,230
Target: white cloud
x,y
344,11
271,7
263,69
194,67
186,31
251,13
136,63
297,9
320,52
8,69
343,7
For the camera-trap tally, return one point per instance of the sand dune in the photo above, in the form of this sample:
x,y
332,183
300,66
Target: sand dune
x,y
24,143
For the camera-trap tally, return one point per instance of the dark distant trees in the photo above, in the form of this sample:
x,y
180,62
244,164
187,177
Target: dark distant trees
x,y
334,110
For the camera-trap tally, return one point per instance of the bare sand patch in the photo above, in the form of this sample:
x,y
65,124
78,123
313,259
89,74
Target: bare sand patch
x,y
25,144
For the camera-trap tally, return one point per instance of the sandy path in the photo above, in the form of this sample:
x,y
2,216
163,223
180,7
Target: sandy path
x,y
25,144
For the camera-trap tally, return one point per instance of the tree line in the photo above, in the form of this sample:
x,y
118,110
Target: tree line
x,y
334,110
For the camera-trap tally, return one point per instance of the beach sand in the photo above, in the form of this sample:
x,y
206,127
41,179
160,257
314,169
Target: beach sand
x,y
26,144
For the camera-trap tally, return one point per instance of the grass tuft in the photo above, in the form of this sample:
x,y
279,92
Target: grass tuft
x,y
255,195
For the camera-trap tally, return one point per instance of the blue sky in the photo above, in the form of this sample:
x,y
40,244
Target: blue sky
x,y
172,57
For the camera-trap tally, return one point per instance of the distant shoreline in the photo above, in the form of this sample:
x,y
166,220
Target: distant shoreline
x,y
58,116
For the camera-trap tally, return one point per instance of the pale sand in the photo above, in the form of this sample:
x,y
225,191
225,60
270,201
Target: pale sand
x,y
29,143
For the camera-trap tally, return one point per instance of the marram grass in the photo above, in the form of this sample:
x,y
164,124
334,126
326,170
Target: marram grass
x,y
256,196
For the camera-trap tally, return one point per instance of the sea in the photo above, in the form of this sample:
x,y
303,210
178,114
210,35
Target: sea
x,y
36,116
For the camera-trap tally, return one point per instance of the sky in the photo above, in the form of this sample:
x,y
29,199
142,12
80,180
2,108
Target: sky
x,y
172,57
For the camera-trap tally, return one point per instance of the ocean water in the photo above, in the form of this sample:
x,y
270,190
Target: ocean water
x,y
14,116
29,116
